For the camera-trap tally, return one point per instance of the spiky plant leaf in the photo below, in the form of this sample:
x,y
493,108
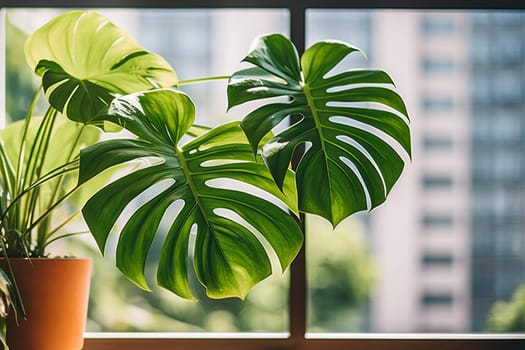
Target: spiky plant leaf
x,y
9,303
67,140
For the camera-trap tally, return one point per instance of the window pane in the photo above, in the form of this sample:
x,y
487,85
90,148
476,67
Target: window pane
x,y
197,43
448,247
437,143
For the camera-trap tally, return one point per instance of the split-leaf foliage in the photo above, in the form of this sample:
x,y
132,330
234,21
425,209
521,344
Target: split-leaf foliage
x,y
224,202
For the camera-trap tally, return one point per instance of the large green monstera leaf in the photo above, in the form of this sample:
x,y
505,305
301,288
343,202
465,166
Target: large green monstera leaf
x,y
225,211
85,60
353,124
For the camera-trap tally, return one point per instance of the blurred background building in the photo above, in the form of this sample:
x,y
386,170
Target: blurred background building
x,y
455,233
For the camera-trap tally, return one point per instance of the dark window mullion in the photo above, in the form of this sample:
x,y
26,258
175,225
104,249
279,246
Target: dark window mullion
x,y
297,304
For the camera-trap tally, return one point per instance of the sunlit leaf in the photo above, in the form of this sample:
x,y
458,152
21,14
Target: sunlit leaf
x,y
353,123
225,211
85,60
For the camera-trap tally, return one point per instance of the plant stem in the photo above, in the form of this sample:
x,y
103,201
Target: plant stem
x,y
41,142
202,80
8,172
68,159
44,234
35,166
23,143
65,236
40,250
19,177
64,168
50,209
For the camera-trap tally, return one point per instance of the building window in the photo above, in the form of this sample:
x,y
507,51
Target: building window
x,y
434,65
437,181
433,299
437,260
433,104
437,26
508,49
435,221
507,87
437,143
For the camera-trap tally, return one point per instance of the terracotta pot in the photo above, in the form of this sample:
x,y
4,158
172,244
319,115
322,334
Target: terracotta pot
x,y
55,294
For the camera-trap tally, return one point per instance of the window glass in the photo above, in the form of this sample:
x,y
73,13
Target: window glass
x,y
437,182
507,88
436,260
197,43
435,104
437,220
436,26
437,143
442,258
437,299
436,65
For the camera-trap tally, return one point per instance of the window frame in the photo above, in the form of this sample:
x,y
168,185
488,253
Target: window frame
x,y
297,338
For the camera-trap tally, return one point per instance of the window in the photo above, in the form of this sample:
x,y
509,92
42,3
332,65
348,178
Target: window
x,y
359,231
434,220
511,49
435,26
438,104
507,88
436,260
437,182
437,65
436,143
437,300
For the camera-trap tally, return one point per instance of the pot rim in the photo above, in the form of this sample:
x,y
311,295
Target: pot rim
x,y
46,259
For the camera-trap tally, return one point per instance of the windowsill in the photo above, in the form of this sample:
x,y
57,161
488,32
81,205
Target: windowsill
x,y
417,336
281,341
193,335
313,336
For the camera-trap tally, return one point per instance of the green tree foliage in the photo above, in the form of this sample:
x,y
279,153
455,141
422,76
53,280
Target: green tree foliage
x,y
340,275
508,316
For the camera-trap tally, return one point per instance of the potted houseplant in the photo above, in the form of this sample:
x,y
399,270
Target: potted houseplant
x,y
39,170
230,194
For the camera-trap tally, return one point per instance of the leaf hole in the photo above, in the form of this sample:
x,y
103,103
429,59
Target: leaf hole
x,y
354,169
137,202
218,162
364,151
238,112
348,87
240,186
233,216
372,130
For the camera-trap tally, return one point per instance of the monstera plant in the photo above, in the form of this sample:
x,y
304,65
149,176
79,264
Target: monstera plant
x,y
229,193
